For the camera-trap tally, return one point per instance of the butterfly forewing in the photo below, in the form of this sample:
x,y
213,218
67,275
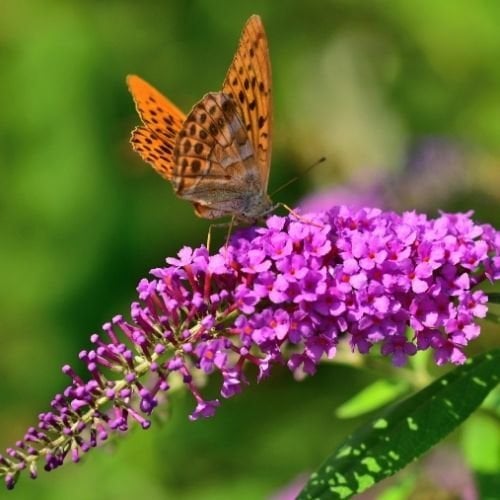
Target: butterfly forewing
x,y
155,141
248,82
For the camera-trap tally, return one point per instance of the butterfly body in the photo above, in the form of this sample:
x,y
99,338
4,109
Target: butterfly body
x,y
218,156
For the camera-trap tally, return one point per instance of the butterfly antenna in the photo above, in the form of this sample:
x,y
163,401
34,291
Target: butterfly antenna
x,y
297,177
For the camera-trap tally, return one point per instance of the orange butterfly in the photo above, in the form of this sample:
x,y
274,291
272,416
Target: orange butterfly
x,y
218,157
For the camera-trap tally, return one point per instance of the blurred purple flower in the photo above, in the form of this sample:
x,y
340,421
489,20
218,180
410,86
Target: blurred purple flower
x,y
433,162
352,195
286,293
435,171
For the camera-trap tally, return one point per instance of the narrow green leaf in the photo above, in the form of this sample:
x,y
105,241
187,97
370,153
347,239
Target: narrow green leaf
x,y
494,318
404,431
372,397
494,297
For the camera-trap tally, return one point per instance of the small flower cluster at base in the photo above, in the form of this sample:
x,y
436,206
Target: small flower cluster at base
x,y
286,293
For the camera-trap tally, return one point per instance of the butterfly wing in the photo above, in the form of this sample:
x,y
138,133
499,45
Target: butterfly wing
x,y
215,166
155,140
219,156
248,83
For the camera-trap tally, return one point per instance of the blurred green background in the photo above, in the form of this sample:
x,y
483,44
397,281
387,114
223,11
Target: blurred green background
x,y
403,98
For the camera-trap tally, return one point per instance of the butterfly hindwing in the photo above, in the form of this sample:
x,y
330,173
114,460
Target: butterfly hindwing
x,y
214,160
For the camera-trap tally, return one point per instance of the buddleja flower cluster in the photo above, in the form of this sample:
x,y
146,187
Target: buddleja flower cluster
x,y
286,293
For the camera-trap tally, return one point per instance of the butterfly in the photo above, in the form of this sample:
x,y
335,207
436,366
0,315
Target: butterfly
x,y
218,156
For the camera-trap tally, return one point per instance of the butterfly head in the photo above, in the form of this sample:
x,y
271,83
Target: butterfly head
x,y
257,208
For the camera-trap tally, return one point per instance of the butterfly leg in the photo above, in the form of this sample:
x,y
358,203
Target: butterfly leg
x,y
222,224
297,216
209,237
229,231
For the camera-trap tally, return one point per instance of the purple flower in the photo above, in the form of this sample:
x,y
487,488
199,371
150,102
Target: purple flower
x,y
285,294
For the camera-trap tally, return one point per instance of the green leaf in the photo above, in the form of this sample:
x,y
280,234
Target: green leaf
x,y
404,431
494,318
494,297
481,443
492,402
489,485
374,396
